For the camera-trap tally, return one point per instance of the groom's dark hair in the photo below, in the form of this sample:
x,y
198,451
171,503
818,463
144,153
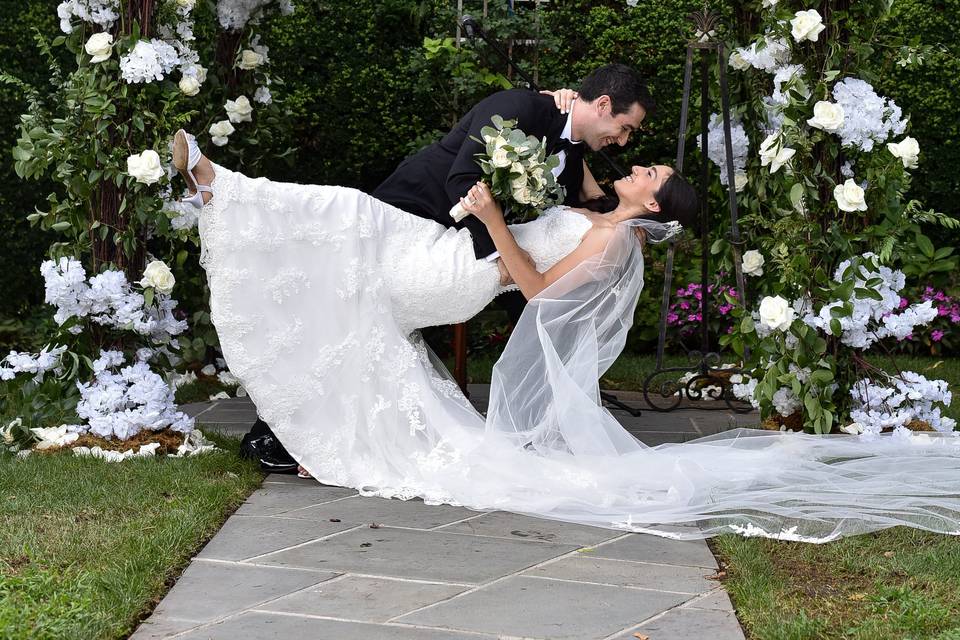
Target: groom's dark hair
x,y
624,86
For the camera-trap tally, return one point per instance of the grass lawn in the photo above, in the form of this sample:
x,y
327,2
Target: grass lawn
x,y
89,547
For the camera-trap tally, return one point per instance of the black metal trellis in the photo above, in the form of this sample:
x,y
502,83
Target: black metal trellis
x,y
705,362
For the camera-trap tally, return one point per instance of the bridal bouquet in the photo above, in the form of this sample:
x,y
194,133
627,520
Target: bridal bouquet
x,y
517,169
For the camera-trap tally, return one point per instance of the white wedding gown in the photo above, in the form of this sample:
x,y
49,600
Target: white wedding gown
x,y
316,293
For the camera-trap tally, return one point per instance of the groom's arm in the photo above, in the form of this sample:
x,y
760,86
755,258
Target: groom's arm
x,y
464,171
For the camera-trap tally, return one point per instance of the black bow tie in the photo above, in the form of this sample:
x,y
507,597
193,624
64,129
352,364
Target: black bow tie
x,y
563,145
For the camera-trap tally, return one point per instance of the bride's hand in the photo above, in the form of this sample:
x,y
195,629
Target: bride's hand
x,y
479,201
563,98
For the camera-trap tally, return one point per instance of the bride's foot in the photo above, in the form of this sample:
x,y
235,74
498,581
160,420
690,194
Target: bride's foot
x,y
303,473
194,167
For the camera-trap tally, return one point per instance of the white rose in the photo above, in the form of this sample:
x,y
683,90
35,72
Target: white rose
x,y
499,158
189,85
739,181
773,154
753,262
201,73
145,167
521,192
158,275
807,25
827,116
854,428
239,110
738,62
907,150
250,59
220,132
100,46
776,313
849,196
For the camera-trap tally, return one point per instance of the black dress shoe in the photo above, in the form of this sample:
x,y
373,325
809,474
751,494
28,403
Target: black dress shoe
x,y
268,450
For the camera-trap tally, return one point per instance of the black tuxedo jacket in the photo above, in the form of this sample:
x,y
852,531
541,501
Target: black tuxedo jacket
x,y
428,183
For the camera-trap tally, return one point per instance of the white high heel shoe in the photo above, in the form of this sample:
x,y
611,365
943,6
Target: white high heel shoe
x,y
186,155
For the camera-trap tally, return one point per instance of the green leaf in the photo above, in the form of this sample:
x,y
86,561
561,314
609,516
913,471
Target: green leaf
x,y
924,244
61,226
148,296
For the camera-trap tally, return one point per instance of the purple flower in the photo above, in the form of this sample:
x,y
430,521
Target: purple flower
x,y
936,335
904,303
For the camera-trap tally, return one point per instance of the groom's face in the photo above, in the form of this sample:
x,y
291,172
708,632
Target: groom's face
x,y
607,128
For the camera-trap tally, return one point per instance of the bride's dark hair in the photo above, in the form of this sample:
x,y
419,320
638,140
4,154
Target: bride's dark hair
x,y
677,198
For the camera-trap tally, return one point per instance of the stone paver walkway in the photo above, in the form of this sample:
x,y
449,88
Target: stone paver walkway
x,y
303,560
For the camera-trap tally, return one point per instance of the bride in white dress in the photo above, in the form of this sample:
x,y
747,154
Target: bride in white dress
x,y
316,293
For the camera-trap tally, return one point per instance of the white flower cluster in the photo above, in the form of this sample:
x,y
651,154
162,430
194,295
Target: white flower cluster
x,y
906,398
868,117
16,362
743,388
121,404
100,12
235,14
148,61
872,319
766,56
108,300
717,149
785,401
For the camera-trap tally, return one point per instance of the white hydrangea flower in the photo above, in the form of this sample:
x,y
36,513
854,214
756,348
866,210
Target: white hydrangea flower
x,y
148,61
766,56
785,402
717,148
100,12
262,95
868,118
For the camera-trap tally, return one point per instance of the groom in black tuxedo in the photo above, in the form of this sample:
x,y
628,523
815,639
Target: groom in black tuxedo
x,y
613,101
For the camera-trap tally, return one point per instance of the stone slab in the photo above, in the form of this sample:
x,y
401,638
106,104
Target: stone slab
x,y
276,498
418,555
159,627
277,626
367,599
686,623
648,548
716,601
528,607
396,513
582,568
517,527
208,590
244,537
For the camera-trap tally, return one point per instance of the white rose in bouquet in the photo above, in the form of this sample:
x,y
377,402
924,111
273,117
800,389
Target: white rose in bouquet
x,y
220,132
189,85
145,167
776,313
500,158
827,116
158,275
250,59
753,262
773,153
239,110
521,191
908,150
807,25
849,196
100,46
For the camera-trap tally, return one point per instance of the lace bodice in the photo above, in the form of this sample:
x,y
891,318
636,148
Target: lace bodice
x,y
434,277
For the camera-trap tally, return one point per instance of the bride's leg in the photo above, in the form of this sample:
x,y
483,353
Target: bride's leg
x,y
194,167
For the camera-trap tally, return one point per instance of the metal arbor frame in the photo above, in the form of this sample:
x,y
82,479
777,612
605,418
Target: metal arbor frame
x,y
670,393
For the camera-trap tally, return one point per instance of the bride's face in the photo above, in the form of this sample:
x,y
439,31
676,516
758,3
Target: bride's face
x,y
638,188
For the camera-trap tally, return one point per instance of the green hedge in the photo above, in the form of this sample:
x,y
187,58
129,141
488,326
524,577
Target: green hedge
x,y
362,96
